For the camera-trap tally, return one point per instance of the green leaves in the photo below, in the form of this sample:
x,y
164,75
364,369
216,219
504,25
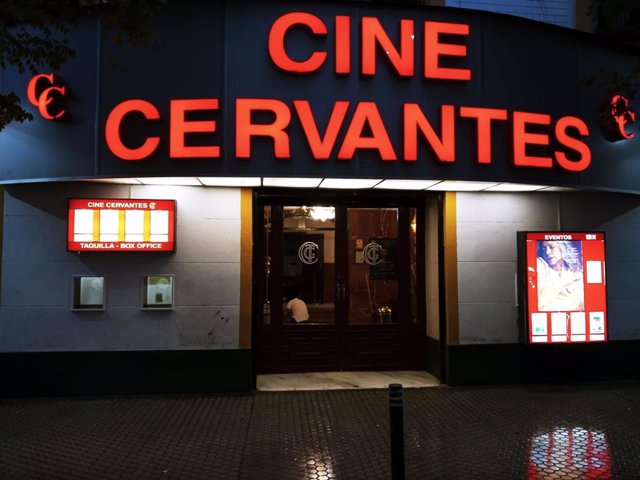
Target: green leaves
x,y
34,35
11,111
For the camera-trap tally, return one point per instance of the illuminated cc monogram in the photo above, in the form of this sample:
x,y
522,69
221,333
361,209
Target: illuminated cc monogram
x,y
308,253
622,114
41,93
372,253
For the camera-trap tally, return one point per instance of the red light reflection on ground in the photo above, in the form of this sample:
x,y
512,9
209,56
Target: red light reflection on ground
x,y
569,452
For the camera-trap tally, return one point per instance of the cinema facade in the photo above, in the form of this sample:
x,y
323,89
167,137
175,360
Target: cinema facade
x,y
391,166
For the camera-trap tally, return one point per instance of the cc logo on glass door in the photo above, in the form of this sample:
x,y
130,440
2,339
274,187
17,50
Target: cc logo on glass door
x,y
372,253
308,253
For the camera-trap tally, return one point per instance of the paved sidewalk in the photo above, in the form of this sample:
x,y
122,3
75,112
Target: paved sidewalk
x,y
582,431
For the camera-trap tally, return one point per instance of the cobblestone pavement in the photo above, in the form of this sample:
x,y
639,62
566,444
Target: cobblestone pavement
x,y
578,431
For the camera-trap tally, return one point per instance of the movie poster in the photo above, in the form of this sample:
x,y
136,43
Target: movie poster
x,y
560,279
566,294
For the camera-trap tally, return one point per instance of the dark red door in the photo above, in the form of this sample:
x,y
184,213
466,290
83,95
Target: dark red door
x,y
354,267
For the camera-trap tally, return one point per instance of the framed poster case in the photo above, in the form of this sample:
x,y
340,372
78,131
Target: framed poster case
x,y
562,288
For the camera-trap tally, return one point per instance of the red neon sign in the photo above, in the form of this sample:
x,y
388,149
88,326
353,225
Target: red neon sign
x,y
622,115
373,34
434,49
112,130
361,124
373,38
45,97
484,117
121,225
566,291
277,35
365,130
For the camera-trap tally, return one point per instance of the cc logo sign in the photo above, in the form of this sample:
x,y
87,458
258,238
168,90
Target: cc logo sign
x,y
622,114
44,94
372,253
308,253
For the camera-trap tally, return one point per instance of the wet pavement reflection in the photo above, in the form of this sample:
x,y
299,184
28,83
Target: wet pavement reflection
x,y
569,452
319,465
517,432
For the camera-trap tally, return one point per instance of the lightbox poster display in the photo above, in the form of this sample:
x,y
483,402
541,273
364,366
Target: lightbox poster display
x,y
566,287
121,225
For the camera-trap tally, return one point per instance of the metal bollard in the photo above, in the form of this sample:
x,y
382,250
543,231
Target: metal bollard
x,y
396,430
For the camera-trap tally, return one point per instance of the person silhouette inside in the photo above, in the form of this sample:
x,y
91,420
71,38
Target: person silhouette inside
x,y
296,309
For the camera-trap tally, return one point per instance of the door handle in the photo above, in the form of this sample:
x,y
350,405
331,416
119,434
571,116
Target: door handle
x,y
344,292
338,291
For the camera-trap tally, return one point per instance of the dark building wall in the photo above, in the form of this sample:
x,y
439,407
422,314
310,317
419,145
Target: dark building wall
x,y
36,310
47,348
490,321
619,217
220,50
558,12
487,256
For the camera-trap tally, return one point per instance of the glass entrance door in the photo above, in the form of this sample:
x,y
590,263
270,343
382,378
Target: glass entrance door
x,y
336,289
308,264
373,265
380,270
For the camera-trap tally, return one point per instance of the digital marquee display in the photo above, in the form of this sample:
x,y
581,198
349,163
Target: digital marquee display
x,y
566,290
121,225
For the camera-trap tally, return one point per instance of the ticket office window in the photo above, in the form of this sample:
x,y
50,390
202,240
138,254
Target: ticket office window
x,y
158,292
89,293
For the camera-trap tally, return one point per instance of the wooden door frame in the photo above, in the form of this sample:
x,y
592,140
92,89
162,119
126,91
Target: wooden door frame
x,y
278,198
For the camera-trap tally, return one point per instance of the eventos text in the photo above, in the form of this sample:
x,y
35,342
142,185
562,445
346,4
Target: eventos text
x,y
538,140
